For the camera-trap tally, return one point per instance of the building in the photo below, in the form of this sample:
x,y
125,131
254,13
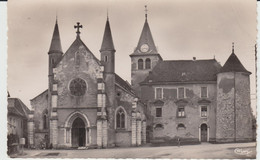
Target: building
x,y
17,118
88,104
191,100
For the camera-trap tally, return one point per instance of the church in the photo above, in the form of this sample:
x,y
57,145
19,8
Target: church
x,y
88,105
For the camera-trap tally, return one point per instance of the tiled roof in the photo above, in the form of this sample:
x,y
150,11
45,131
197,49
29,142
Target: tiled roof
x,y
182,71
124,84
233,64
17,107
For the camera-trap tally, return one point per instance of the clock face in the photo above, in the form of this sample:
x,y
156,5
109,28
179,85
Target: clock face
x,y
144,48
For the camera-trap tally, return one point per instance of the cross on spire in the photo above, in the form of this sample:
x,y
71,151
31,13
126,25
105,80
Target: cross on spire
x,y
146,10
232,47
78,27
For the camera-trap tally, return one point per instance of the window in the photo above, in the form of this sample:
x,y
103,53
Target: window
x,y
45,119
148,63
120,119
78,87
140,64
204,111
106,58
204,92
158,126
181,112
181,93
181,126
159,94
158,112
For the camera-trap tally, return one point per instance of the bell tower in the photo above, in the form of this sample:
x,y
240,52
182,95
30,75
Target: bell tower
x,y
107,50
144,58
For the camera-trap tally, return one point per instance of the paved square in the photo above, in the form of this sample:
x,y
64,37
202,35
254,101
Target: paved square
x,y
205,150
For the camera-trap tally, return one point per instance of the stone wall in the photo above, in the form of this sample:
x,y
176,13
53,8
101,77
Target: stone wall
x,y
243,108
192,105
138,76
234,117
39,105
77,62
123,138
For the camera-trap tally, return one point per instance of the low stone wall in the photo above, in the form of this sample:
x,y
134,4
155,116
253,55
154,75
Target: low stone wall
x,y
123,138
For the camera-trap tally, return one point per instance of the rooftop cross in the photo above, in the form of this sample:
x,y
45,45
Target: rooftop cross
x,y
78,27
145,11
232,47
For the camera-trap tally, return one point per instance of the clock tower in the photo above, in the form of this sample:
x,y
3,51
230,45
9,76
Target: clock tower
x,y
144,58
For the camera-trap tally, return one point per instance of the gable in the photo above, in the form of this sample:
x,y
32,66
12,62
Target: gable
x,y
77,64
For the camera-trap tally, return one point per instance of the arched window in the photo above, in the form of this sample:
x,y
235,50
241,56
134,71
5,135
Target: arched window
x,y
120,119
140,64
181,126
45,119
158,126
147,63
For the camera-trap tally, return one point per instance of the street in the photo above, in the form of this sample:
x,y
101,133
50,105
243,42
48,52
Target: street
x,y
204,150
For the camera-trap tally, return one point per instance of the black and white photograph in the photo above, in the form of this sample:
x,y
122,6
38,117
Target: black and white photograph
x,y
146,79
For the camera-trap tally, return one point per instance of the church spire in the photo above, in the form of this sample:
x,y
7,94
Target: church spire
x,y
107,43
55,42
146,43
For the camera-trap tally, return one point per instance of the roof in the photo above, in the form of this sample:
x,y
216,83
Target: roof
x,y
40,94
74,47
233,64
17,107
55,42
124,84
107,43
146,38
182,71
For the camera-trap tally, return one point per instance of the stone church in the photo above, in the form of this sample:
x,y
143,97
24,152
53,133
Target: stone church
x,y
88,104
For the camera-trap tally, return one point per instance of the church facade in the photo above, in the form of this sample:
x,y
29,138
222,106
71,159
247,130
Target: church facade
x,y
88,104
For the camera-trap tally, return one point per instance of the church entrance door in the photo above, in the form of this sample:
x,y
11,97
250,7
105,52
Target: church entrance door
x,y
78,133
204,132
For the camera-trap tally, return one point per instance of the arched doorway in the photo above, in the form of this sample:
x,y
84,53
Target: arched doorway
x,y
204,132
78,135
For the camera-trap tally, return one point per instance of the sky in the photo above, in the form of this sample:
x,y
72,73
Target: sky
x,y
181,29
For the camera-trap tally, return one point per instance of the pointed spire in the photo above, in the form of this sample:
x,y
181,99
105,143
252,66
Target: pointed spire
x,y
107,43
233,64
146,39
107,15
55,42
